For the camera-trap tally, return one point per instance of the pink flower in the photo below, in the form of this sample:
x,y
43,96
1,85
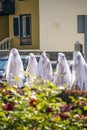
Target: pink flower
x,y
8,106
65,108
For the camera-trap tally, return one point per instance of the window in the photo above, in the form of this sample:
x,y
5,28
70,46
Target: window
x,y
80,23
7,7
1,9
26,26
22,28
16,26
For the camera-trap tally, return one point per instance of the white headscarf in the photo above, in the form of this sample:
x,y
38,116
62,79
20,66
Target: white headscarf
x,y
14,69
45,68
32,64
79,71
62,74
31,69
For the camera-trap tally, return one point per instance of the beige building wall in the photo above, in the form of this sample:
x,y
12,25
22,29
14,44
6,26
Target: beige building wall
x,y
58,23
4,27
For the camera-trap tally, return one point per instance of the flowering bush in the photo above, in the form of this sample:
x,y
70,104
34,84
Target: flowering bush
x,y
65,94
39,107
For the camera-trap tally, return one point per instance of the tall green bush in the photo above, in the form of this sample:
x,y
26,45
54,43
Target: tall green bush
x,y
38,107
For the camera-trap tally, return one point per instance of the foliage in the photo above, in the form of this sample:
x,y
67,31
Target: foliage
x,y
38,107
75,93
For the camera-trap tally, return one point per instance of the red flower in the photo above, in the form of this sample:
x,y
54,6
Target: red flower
x,y
8,106
64,116
1,88
33,102
66,108
33,128
49,109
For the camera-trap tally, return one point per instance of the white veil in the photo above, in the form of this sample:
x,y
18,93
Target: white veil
x,y
31,68
79,72
62,75
14,69
45,68
32,64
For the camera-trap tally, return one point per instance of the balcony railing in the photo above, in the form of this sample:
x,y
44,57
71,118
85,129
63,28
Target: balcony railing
x,y
5,44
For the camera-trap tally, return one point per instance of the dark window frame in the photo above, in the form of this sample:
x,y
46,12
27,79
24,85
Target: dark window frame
x,y
15,28
80,23
1,6
24,29
8,7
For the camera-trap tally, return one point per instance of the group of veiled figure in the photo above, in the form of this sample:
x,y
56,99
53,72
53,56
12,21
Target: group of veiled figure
x,y
63,76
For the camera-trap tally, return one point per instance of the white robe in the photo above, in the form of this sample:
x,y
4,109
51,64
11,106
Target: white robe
x,y
14,69
63,74
31,67
45,68
79,72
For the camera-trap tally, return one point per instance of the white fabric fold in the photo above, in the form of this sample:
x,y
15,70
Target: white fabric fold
x,y
79,71
62,74
45,68
32,64
14,69
31,68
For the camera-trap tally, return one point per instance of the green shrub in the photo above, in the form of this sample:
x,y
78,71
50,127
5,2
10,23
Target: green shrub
x,y
38,107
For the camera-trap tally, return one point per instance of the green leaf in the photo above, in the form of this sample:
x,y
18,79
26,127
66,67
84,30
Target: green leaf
x,y
2,114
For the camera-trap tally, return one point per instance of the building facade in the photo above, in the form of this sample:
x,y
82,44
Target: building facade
x,y
23,23
50,25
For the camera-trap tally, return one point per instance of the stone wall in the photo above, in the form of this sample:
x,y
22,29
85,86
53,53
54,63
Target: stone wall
x,y
53,55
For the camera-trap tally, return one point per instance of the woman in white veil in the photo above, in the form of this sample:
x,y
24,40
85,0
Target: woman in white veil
x,y
63,74
45,68
79,72
14,69
31,67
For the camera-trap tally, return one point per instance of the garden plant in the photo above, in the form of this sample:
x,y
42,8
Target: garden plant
x,y
42,106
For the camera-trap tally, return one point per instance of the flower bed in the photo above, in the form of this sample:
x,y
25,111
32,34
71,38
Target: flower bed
x,y
41,107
